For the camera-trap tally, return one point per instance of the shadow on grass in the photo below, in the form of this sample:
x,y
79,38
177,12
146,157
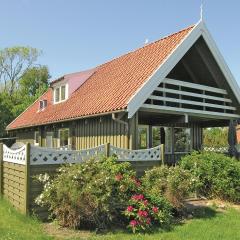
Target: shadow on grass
x,y
193,212
204,213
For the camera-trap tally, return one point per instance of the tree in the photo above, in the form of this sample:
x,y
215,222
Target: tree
x,y
215,137
35,81
14,63
6,115
32,84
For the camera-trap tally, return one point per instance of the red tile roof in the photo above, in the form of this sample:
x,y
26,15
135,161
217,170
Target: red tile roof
x,y
108,89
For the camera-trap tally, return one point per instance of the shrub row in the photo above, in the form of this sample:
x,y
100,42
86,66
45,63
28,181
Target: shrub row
x,y
101,193
216,175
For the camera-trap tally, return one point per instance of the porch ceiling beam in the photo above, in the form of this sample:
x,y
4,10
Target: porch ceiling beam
x,y
194,86
219,123
168,90
190,112
189,70
208,63
167,99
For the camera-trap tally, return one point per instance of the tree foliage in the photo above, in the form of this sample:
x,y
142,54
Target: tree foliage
x,y
14,63
21,82
215,137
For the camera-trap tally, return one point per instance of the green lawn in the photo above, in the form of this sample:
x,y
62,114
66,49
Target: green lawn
x,y
14,226
207,225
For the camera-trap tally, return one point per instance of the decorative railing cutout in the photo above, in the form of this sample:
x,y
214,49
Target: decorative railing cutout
x,y
14,156
151,154
39,155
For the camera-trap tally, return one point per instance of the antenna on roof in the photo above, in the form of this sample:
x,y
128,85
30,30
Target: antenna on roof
x,y
201,11
146,41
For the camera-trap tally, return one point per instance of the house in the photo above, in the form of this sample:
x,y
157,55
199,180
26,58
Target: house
x,y
165,92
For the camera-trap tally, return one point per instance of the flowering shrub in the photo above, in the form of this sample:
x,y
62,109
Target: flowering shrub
x,y
218,175
174,183
143,213
91,194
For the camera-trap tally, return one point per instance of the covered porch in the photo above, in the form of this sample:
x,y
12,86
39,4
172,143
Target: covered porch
x,y
176,113
193,91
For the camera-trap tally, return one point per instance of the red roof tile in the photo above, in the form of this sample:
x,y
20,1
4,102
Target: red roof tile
x,y
108,89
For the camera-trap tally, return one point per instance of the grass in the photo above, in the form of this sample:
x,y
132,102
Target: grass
x,y
207,224
14,225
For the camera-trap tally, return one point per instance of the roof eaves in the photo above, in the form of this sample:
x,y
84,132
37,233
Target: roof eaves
x,y
161,71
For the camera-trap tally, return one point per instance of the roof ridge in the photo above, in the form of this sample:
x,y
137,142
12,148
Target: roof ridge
x,y
147,45
125,54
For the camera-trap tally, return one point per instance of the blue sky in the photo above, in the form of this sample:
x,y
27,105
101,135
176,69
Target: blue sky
x,y
75,35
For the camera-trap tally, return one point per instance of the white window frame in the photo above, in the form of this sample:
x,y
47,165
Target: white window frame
x,y
36,143
59,140
138,137
59,86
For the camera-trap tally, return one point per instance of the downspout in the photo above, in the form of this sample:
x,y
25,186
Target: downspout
x,y
118,120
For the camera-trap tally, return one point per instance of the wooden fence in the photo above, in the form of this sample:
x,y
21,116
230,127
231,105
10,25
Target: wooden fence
x,y
19,168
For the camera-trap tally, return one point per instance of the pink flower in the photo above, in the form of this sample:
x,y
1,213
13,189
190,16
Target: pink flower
x,y
148,221
145,202
130,208
138,197
119,177
142,213
136,181
155,209
133,223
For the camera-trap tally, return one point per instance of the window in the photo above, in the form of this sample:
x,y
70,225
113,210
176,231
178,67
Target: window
x,y
49,139
42,104
63,93
60,93
182,139
36,138
156,141
57,95
162,135
143,136
63,137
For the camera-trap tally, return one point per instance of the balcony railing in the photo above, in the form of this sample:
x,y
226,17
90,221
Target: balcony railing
x,y
184,97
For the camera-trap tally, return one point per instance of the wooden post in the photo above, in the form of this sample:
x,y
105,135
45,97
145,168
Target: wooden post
x,y
27,179
107,149
162,149
1,169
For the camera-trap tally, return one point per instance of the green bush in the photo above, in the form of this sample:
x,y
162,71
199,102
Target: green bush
x,y
174,183
100,193
91,194
218,176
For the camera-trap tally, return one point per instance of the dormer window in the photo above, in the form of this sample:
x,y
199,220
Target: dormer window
x,y
42,104
60,93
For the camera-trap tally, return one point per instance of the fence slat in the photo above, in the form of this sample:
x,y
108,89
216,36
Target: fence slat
x,y
27,179
1,169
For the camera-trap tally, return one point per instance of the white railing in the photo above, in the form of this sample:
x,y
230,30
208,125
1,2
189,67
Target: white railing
x,y
15,156
151,154
215,149
40,155
185,97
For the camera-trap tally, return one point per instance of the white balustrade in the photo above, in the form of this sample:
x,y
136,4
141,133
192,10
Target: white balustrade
x,y
40,155
215,149
14,156
151,154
